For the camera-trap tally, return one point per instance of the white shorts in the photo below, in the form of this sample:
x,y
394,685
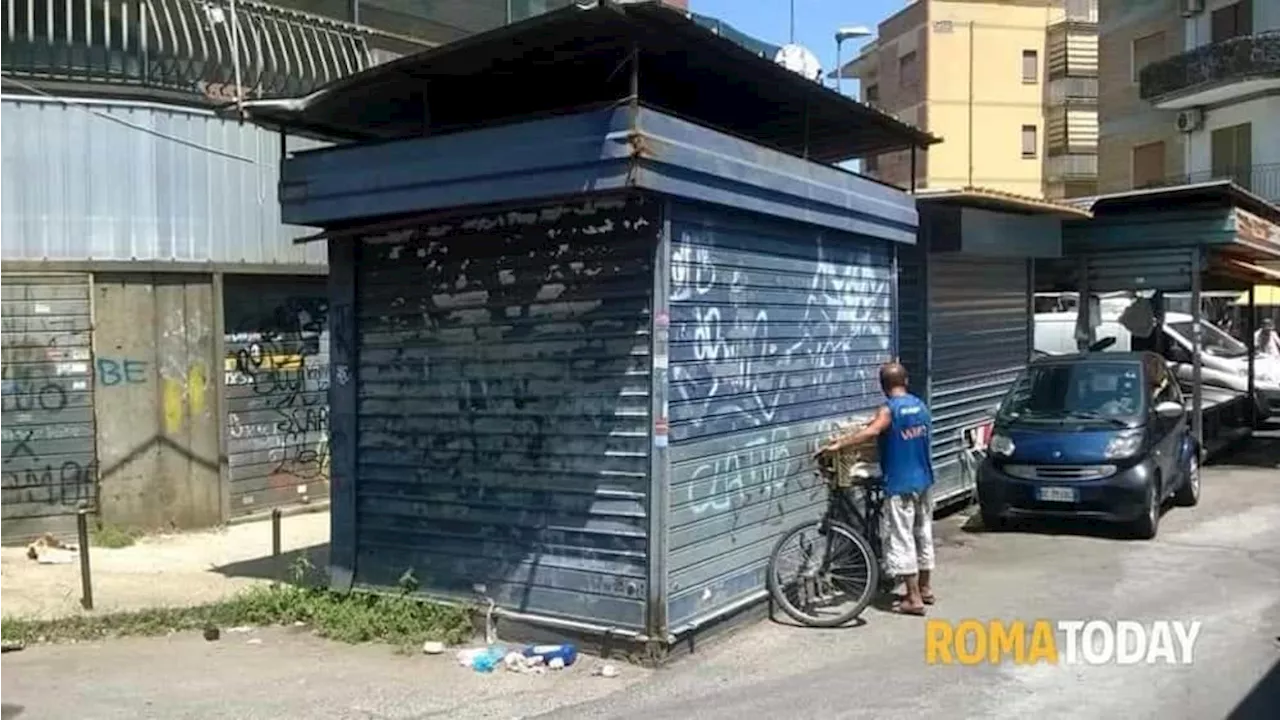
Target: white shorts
x,y
907,533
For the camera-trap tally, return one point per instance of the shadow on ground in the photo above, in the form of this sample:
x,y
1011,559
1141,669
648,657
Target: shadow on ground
x,y
1261,450
312,561
8,711
1263,701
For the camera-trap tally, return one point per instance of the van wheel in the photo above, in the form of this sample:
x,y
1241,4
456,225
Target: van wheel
x,y
1189,492
1146,527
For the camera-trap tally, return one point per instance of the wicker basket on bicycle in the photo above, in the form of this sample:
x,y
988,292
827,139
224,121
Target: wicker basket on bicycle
x,y
854,465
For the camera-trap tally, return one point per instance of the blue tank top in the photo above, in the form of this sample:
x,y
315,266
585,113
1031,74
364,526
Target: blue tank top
x,y
904,447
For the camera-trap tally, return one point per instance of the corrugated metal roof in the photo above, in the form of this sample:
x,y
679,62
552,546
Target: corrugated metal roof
x,y
581,56
1000,200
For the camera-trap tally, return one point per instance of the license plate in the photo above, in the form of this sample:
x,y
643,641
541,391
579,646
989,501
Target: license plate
x,y
1056,494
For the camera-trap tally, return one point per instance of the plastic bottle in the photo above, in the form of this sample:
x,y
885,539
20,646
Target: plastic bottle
x,y
566,653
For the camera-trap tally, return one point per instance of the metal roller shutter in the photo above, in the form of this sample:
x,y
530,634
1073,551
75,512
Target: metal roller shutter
x,y
980,341
50,466
503,402
277,380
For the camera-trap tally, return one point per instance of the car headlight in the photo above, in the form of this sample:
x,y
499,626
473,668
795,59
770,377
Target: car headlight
x,y
1123,446
1001,445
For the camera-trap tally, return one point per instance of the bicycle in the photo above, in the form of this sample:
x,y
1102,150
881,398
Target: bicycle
x,y
852,570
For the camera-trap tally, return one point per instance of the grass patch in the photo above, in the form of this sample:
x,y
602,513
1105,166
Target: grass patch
x,y
110,536
355,617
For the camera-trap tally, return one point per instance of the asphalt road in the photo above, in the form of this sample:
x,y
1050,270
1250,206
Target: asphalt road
x,y
1218,563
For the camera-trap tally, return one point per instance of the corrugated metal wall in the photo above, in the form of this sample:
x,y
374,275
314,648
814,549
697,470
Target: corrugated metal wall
x,y
49,464
277,383
503,407
978,318
133,181
913,316
777,330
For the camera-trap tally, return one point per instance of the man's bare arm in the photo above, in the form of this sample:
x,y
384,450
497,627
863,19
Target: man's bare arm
x,y
873,430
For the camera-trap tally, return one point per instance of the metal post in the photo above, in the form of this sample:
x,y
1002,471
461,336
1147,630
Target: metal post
x,y
971,29
1197,394
1249,342
355,11
839,69
86,577
275,532
912,183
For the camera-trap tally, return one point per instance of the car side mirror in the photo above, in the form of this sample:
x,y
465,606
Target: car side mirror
x,y
1170,410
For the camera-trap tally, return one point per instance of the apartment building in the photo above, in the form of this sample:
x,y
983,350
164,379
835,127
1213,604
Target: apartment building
x,y
1010,86
1190,92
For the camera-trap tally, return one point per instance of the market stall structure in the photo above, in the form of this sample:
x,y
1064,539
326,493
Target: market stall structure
x,y
596,294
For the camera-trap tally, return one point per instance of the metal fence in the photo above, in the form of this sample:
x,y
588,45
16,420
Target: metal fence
x,y
1261,180
220,51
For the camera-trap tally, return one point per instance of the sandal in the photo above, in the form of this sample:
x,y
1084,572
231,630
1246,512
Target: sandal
x,y
904,610
929,599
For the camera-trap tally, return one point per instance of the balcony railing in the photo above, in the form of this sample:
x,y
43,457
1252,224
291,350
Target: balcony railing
x,y
1261,180
1071,167
1235,59
182,46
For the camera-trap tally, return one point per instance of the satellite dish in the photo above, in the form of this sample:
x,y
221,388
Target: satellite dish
x,y
799,59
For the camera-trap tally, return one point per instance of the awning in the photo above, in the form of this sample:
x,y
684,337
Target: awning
x,y
998,200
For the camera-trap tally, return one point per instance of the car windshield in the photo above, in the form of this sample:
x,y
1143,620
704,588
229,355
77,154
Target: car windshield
x,y
1215,341
1106,392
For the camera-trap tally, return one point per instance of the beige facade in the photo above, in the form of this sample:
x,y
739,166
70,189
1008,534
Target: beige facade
x,y
1009,85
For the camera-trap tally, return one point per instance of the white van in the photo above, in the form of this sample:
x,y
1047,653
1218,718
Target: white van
x,y
1224,362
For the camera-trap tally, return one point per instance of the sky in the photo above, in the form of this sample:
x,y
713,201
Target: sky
x,y
816,22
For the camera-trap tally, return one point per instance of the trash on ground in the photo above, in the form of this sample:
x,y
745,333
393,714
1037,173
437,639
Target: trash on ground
x,y
482,659
240,629
212,633
565,653
519,663
433,647
254,641
11,646
605,671
49,550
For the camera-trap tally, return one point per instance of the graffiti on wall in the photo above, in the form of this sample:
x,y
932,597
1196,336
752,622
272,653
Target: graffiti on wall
x,y
277,378
47,436
773,342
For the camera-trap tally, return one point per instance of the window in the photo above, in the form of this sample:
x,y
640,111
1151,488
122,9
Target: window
x,y
1231,21
1029,144
1146,50
871,164
872,95
908,71
1148,165
1030,66
1231,150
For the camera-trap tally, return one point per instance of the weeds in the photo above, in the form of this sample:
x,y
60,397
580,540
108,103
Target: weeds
x,y
110,536
354,617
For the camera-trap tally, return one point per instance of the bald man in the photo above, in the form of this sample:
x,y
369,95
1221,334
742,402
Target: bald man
x,y
903,427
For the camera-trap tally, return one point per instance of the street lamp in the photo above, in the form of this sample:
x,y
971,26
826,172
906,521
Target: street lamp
x,y
846,33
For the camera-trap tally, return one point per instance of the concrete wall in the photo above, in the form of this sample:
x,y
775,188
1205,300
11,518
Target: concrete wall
x,y
156,409
1125,120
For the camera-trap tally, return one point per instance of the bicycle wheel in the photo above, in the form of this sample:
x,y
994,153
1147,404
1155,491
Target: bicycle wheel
x,y
835,575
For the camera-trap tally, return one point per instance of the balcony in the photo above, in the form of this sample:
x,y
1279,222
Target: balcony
x,y
1261,180
1073,91
180,50
1216,73
1071,167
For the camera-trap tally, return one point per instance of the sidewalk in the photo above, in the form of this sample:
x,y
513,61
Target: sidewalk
x,y
174,570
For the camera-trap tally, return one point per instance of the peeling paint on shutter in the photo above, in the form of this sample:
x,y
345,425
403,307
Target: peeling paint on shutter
x,y
50,466
777,332
503,395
